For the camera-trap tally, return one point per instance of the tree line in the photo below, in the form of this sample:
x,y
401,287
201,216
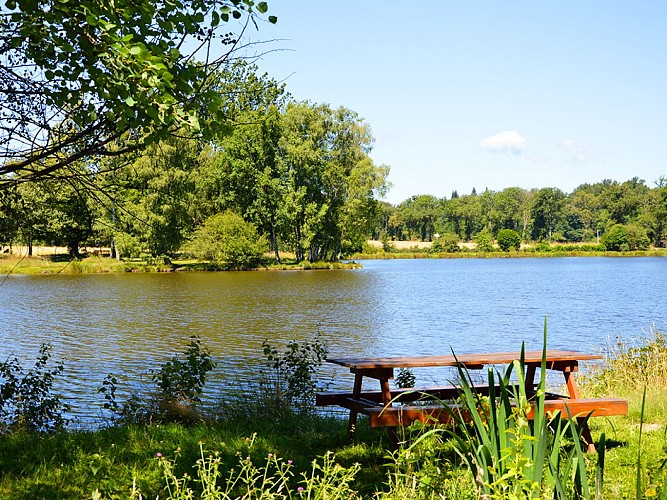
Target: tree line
x,y
290,175
631,209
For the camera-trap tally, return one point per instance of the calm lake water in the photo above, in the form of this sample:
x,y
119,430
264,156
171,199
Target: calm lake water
x,y
129,323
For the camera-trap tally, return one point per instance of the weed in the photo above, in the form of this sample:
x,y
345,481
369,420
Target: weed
x,y
272,479
179,384
630,365
27,398
292,372
405,378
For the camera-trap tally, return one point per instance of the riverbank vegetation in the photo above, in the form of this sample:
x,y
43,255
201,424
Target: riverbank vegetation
x,y
270,443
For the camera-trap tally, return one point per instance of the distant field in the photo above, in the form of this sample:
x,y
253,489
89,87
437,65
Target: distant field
x,y
404,245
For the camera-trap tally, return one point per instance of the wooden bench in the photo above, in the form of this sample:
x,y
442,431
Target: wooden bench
x,y
394,416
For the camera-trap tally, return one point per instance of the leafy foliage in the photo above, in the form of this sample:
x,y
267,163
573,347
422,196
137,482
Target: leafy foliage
x,y
293,372
179,384
508,239
447,242
27,398
228,240
183,380
77,78
484,241
405,378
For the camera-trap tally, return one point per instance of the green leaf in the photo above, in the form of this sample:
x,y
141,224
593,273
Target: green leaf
x,y
273,19
262,7
135,50
130,102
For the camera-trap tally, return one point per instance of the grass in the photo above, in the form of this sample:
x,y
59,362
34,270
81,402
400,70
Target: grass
x,y
118,462
94,264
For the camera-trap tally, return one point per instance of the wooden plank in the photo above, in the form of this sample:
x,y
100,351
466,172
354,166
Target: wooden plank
x,y
400,395
406,415
555,358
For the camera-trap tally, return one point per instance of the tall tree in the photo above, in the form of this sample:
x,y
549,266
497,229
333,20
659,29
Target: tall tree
x,y
327,167
548,212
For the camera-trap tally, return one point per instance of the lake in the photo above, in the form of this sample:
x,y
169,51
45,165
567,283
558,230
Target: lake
x,y
130,323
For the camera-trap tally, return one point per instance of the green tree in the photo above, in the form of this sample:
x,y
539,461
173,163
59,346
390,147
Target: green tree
x,y
156,197
548,212
94,77
508,239
330,178
250,174
227,239
616,238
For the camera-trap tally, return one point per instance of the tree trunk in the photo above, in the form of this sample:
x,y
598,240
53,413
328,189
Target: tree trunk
x,y
274,237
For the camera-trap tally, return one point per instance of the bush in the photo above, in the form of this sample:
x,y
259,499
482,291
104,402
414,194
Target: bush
x,y
179,384
637,237
543,246
448,242
615,238
293,371
228,240
484,241
508,239
27,399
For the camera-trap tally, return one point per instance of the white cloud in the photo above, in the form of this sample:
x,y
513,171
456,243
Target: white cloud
x,y
576,152
509,142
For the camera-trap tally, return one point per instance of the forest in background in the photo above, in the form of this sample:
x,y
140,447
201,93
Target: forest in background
x,y
629,212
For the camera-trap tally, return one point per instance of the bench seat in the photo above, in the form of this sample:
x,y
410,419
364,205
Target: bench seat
x,y
406,415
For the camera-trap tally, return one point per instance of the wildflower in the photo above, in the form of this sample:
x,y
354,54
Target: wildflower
x,y
650,493
159,455
300,488
289,462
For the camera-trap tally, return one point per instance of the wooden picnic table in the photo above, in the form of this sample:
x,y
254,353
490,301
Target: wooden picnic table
x,y
375,403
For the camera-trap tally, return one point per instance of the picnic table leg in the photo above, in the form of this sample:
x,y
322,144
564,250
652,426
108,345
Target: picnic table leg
x,y
529,379
356,392
573,390
386,400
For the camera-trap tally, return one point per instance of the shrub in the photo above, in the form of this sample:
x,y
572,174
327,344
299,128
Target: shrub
x,y
369,249
484,241
637,237
183,380
508,239
543,246
227,239
293,371
178,383
27,399
615,237
448,242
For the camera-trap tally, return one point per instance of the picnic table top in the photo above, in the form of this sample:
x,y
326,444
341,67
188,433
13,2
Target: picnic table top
x,y
470,360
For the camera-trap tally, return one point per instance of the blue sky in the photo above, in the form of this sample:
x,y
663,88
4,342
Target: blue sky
x,y
486,94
